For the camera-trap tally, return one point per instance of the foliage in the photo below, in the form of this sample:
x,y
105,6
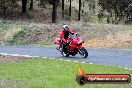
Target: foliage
x,y
43,3
7,5
120,8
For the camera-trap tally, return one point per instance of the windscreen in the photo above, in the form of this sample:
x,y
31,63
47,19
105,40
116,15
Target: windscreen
x,y
75,36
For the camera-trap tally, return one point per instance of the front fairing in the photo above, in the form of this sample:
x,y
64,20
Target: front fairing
x,y
76,41
57,41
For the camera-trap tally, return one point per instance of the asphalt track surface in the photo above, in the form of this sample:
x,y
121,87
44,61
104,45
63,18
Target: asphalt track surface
x,y
110,57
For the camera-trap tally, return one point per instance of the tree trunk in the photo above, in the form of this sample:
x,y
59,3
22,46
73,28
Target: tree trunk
x,y
70,9
4,7
79,10
31,5
63,9
54,12
24,5
116,12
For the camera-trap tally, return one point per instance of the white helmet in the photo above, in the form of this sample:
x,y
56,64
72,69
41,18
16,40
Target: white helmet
x,y
65,27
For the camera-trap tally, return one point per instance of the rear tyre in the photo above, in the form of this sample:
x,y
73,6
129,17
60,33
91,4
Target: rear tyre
x,y
84,52
65,54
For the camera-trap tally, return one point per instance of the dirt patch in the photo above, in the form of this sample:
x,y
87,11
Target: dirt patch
x,y
111,39
4,58
11,83
94,36
100,43
11,32
7,35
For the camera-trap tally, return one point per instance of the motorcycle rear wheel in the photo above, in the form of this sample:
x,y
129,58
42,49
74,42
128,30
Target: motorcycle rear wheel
x,y
65,54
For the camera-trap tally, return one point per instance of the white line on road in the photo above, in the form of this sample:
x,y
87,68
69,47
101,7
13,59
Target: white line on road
x,y
35,56
83,62
44,57
90,63
67,60
50,58
76,61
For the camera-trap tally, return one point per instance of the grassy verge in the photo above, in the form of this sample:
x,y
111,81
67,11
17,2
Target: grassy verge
x,y
38,34
46,73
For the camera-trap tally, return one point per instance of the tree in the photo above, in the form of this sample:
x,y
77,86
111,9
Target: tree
x,y
129,12
24,5
63,9
92,5
54,12
70,9
79,10
31,5
3,6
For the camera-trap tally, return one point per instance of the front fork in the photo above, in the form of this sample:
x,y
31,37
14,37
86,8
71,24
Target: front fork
x,y
79,49
59,49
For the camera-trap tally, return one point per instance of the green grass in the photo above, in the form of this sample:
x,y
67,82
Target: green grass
x,y
46,73
16,37
5,26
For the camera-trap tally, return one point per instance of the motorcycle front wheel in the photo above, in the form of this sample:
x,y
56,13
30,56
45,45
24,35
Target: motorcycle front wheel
x,y
84,52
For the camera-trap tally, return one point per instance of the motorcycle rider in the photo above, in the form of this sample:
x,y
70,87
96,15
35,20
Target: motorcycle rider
x,y
64,35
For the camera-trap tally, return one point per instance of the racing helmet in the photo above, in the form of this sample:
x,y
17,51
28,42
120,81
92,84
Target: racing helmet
x,y
65,27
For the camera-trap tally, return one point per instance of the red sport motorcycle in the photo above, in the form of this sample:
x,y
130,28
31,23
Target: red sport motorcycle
x,y
75,46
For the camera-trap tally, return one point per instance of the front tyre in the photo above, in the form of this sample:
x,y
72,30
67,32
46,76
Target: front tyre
x,y
84,52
